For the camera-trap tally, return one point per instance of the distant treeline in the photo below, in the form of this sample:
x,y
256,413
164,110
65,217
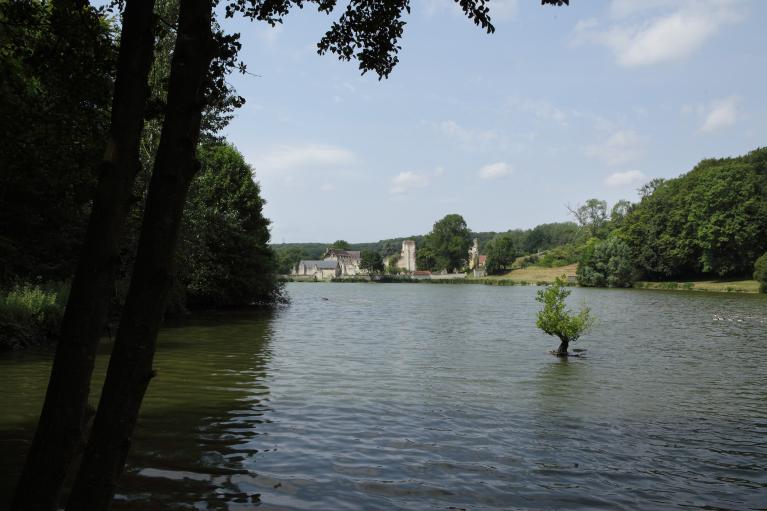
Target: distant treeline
x,y
529,241
710,221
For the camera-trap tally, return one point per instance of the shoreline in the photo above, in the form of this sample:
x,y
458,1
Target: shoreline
x,y
743,286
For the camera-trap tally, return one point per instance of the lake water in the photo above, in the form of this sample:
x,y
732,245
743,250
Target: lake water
x,y
416,396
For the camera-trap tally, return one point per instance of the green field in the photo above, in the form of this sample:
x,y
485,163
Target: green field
x,y
717,286
539,274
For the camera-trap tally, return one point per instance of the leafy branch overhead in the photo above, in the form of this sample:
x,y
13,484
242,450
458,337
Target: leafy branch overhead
x,y
368,30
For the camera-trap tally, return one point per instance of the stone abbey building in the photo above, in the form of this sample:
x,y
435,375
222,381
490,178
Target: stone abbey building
x,y
334,263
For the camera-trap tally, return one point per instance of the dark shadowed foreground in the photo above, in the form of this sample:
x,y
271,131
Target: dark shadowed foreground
x,y
437,397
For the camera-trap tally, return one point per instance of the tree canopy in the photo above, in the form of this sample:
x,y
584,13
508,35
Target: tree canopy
x,y
709,220
371,262
607,263
501,252
447,244
225,260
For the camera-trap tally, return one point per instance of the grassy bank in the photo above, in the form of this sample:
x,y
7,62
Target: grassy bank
x,y
537,274
716,286
31,314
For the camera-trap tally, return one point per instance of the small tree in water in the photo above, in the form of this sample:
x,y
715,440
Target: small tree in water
x,y
555,319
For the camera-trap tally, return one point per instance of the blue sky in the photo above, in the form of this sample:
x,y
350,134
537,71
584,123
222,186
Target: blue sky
x,y
558,106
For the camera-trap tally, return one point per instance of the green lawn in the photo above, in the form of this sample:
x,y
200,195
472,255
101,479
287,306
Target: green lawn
x,y
535,274
718,286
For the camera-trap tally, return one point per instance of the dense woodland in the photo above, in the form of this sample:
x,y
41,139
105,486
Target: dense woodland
x,y
54,117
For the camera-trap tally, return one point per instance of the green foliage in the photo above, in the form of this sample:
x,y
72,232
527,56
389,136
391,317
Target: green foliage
x,y
592,217
224,257
555,319
425,258
561,255
31,314
760,272
447,245
341,245
608,263
288,258
371,262
546,236
56,70
618,213
501,252
710,220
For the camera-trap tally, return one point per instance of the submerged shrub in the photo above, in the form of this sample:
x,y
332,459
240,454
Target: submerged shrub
x,y
556,320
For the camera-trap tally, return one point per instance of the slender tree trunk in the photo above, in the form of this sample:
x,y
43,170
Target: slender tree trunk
x,y
563,345
130,367
59,433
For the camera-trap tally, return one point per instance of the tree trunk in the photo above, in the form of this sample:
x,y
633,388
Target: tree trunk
x,y
130,367
59,433
562,350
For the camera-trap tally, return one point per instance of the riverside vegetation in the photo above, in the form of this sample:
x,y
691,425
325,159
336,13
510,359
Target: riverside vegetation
x,y
702,230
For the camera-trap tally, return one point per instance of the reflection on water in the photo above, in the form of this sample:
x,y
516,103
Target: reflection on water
x,y
442,397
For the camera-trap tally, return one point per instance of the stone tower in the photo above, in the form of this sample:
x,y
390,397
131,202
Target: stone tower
x,y
407,256
474,255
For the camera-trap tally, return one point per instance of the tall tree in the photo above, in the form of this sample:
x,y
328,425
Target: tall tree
x,y
449,243
372,262
224,256
60,430
130,367
501,253
591,216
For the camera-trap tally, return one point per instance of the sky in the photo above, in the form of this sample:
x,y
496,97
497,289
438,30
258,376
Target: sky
x,y
559,105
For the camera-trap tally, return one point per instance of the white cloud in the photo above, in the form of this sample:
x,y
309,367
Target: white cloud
x,y
539,108
622,147
681,29
627,178
407,181
465,135
625,8
495,170
721,114
303,157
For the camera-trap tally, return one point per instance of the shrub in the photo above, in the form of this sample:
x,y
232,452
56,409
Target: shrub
x,y
608,263
561,256
31,314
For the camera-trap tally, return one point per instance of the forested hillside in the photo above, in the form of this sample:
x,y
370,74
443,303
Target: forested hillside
x,y
711,220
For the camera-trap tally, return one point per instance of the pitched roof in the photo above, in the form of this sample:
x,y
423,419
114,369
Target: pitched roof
x,y
321,265
354,254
